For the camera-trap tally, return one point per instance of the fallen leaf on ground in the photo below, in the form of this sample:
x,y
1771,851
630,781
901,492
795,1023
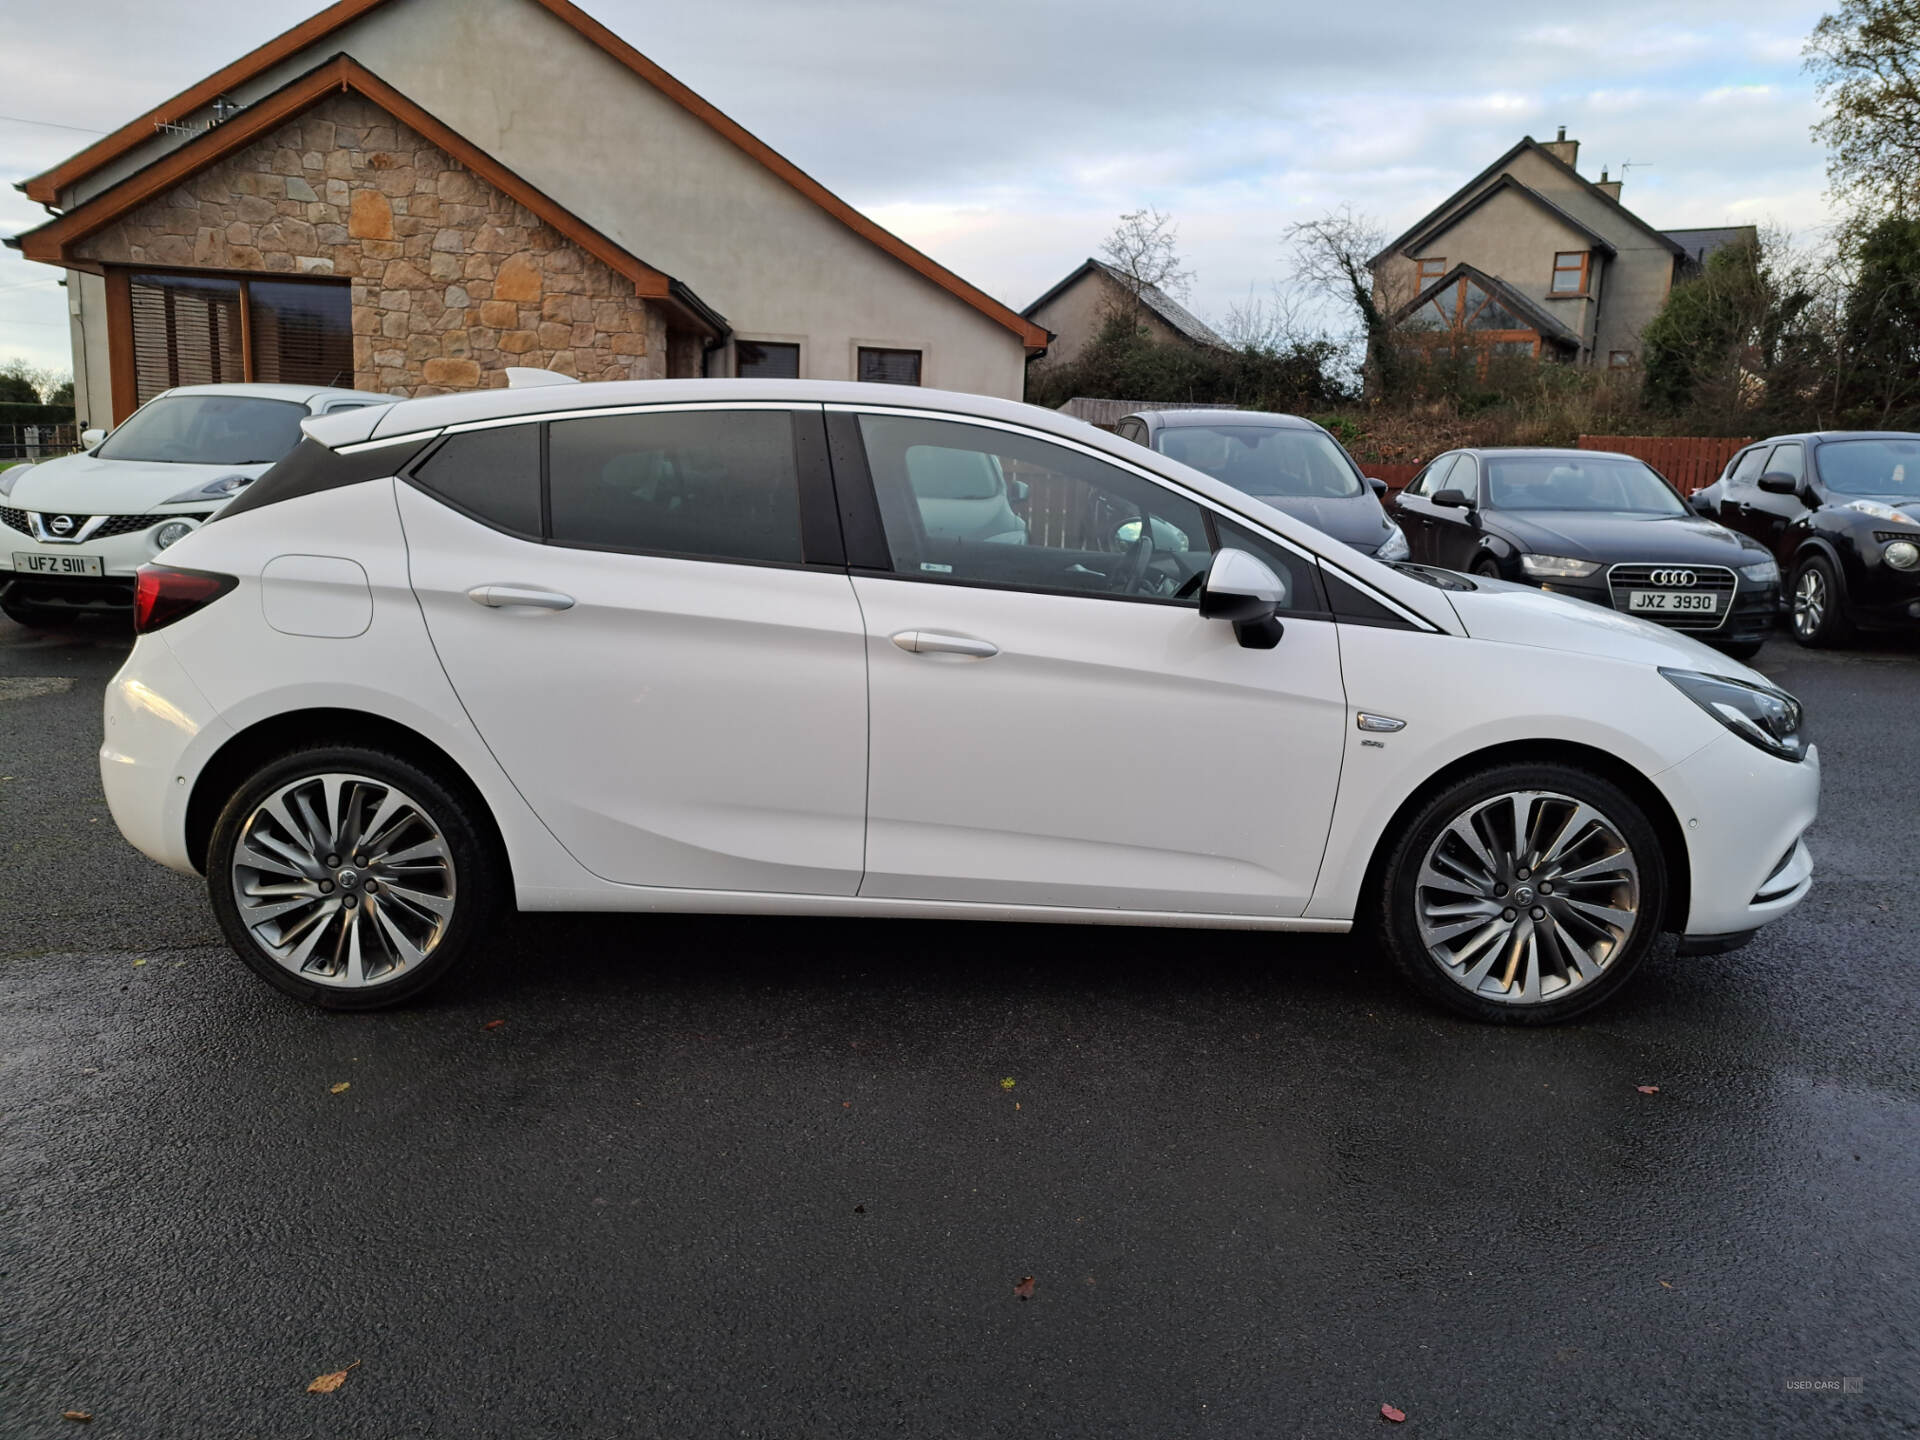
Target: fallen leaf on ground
x,y
342,1085
493,1025
141,961
327,1384
1007,1084
1648,1089
83,1416
1025,1288
1388,1412
1667,1283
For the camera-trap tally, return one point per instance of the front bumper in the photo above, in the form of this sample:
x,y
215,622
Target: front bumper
x,y
122,544
1745,815
1751,617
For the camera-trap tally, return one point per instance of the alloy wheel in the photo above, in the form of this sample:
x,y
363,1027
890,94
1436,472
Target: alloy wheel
x,y
1809,602
343,880
1525,897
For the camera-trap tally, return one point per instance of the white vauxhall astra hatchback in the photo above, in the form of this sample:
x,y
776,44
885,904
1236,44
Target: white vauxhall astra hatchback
x,y
74,530
774,648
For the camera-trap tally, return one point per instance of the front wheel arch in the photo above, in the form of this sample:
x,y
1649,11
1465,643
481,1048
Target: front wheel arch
x,y
1642,791
260,744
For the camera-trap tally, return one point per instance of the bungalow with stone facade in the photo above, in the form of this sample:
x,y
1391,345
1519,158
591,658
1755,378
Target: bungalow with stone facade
x,y
411,195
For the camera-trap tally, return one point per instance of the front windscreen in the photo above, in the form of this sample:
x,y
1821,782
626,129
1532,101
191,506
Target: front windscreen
x,y
1889,468
1567,482
1264,461
208,430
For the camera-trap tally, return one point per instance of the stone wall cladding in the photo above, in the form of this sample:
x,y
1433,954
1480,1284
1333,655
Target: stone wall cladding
x,y
452,280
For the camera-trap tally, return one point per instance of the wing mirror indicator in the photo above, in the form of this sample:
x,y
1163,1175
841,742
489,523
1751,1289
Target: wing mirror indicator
x,y
1243,590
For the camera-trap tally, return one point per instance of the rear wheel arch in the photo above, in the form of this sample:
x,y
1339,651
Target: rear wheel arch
x,y
265,741
1642,791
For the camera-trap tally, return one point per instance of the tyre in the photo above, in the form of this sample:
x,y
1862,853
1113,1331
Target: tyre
x,y
1488,567
352,878
1819,604
1741,649
1523,894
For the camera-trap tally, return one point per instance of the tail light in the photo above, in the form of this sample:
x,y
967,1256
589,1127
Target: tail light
x,y
162,594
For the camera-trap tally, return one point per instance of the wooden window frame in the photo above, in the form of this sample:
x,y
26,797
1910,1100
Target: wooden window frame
x,y
1585,258
1426,279
124,377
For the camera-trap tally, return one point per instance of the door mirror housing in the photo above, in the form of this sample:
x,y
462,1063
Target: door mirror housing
x,y
1377,485
1018,491
91,438
1452,500
1702,503
1241,588
1778,482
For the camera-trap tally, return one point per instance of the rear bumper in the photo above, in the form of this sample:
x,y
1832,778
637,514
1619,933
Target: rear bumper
x,y
1745,815
159,731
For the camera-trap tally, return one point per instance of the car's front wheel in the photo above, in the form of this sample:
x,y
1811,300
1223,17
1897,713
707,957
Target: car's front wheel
x,y
1819,607
351,878
1523,894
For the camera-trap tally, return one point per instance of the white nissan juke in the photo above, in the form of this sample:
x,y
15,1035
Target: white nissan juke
x,y
74,530
774,648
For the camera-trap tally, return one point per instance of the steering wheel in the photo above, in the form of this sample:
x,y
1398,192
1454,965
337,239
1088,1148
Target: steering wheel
x,y
1132,571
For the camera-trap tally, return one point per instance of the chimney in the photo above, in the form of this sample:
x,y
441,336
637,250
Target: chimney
x,y
1562,149
1611,188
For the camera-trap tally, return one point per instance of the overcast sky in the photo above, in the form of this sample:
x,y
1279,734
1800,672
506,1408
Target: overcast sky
x,y
1003,137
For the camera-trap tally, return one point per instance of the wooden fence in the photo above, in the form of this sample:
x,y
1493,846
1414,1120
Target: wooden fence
x,y
1691,462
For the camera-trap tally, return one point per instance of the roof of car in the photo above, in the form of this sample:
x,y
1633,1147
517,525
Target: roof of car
x,y
1271,420
304,394
1545,451
1841,435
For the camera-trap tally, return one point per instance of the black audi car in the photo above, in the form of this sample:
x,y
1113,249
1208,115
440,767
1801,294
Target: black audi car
x,y
1840,511
1287,461
1597,526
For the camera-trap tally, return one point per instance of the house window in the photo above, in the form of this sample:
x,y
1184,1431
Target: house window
x,y
765,360
1431,270
1570,272
1619,359
216,329
889,367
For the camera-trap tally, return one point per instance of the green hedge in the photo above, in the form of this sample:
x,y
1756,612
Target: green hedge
x,y
13,412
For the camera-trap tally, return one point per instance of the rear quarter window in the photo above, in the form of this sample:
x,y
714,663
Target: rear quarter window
x,y
491,475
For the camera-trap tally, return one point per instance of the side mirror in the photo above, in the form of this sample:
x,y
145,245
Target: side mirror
x,y
1018,490
91,438
1776,482
1242,589
1377,485
1451,500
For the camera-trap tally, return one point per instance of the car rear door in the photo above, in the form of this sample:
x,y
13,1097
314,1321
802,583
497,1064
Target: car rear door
x,y
1052,721
1738,491
647,616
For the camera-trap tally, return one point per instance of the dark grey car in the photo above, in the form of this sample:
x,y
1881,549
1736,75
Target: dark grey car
x,y
1288,462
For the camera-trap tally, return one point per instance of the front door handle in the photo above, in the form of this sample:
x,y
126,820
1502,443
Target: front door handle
x,y
932,642
497,596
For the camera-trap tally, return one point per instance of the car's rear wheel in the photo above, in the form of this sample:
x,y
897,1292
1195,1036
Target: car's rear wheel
x,y
351,878
1819,605
1524,894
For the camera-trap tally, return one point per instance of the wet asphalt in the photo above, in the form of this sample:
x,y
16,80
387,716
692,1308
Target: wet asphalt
x,y
728,1177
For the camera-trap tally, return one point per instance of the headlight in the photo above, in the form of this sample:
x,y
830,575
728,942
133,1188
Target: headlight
x,y
1557,567
224,488
8,476
1901,554
1762,572
1394,547
1880,512
1758,714
169,533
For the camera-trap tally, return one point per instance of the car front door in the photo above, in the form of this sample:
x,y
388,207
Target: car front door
x,y
1455,533
1768,514
1414,510
1053,723
1738,489
660,644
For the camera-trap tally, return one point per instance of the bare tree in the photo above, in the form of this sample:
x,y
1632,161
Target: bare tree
x,y
1144,251
1332,257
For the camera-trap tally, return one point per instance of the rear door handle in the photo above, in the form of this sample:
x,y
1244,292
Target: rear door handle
x,y
497,596
932,642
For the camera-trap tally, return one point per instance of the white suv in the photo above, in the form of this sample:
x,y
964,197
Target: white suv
x,y
73,531
723,646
